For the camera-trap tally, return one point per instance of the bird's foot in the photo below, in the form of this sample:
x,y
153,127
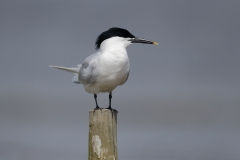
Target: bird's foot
x,y
111,109
97,108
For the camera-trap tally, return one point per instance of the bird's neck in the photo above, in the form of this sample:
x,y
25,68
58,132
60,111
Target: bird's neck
x,y
114,49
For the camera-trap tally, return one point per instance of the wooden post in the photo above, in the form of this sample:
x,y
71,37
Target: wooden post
x,y
102,141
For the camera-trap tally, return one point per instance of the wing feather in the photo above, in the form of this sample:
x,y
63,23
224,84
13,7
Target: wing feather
x,y
87,70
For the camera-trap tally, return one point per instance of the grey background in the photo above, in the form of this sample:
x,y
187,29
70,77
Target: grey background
x,y
181,101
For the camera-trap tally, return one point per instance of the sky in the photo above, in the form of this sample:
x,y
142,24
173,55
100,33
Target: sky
x,y
181,100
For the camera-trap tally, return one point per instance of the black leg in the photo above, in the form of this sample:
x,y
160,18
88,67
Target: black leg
x,y
110,100
110,107
97,107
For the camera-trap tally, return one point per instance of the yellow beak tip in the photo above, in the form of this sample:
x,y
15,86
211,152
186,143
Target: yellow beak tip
x,y
155,43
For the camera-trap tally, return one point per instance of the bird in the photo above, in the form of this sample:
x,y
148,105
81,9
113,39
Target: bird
x,y
109,66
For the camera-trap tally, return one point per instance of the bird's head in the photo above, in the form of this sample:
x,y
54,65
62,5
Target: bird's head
x,y
120,37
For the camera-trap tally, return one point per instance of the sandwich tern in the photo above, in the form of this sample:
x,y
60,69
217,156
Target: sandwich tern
x,y
109,67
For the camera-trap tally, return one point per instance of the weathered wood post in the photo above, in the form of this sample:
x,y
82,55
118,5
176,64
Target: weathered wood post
x,y
102,142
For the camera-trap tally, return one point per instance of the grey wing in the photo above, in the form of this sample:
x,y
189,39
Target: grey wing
x,y
87,73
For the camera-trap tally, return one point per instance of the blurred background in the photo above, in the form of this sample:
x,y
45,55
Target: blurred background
x,y
182,98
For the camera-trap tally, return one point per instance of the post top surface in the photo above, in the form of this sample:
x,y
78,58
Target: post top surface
x,y
104,110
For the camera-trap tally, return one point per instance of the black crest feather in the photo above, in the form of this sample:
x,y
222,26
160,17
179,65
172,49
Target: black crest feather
x,y
112,32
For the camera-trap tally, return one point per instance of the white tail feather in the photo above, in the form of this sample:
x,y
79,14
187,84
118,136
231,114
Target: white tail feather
x,y
73,70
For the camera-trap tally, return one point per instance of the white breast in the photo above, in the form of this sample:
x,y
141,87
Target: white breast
x,y
113,70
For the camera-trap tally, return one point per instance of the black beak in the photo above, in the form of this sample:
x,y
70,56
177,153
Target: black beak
x,y
141,40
